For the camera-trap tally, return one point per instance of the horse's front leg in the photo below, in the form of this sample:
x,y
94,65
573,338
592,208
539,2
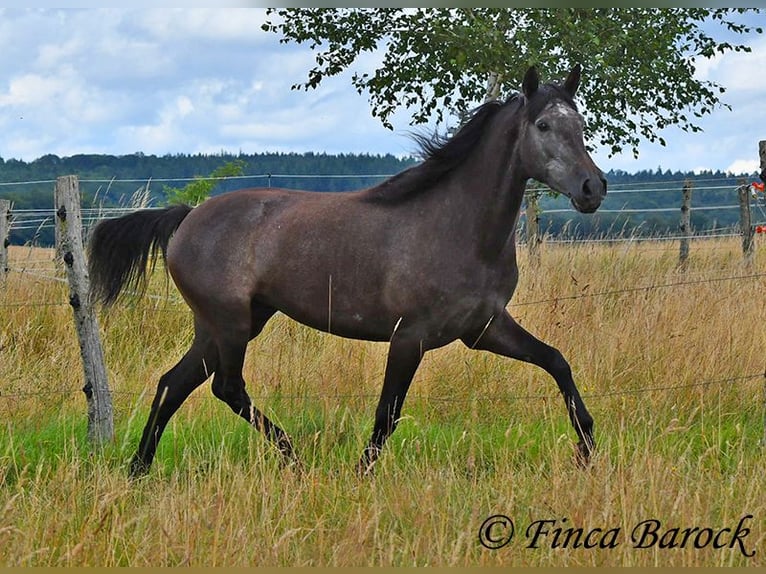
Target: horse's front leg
x,y
504,336
404,356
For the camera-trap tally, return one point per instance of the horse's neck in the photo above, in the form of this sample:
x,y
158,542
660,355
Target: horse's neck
x,y
499,229
492,196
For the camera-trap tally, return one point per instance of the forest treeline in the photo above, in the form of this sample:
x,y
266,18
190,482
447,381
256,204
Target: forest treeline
x,y
112,181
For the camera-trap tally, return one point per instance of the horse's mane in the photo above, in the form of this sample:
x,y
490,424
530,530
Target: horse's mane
x,y
442,154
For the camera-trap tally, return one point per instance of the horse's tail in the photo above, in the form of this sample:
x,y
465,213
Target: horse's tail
x,y
120,248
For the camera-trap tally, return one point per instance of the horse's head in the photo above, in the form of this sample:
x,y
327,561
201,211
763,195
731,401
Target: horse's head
x,y
552,149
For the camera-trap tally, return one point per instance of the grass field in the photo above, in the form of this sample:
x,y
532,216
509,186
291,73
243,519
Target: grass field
x,y
670,364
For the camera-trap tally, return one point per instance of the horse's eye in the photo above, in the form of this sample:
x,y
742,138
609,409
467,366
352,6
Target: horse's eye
x,y
542,126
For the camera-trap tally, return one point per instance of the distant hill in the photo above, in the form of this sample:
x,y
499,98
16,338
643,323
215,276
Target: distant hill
x,y
648,203
108,181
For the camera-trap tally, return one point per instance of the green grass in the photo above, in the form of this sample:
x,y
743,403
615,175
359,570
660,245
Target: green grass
x,y
480,435
217,495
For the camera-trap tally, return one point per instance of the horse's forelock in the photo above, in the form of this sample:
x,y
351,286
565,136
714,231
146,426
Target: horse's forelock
x,y
544,96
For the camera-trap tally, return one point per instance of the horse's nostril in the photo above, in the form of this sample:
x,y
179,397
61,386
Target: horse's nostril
x,y
591,188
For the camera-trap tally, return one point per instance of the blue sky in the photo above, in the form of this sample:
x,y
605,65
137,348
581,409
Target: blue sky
x,y
165,81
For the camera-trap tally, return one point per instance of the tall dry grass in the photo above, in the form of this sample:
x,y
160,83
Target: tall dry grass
x,y
670,374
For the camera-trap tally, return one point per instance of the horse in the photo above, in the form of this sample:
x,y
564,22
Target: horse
x,y
424,258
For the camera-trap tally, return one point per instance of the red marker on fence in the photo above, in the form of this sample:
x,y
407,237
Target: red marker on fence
x,y
760,228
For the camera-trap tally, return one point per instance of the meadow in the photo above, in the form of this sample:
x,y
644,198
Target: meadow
x,y
670,363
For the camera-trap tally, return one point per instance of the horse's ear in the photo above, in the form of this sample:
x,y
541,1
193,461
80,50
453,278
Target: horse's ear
x,y
531,82
573,80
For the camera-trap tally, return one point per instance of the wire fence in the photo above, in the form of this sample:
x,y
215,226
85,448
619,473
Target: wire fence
x,y
42,219
431,398
47,270
588,295
502,397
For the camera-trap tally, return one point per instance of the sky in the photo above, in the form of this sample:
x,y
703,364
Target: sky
x,y
202,80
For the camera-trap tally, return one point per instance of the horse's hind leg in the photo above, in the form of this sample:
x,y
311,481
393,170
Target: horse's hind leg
x,y
229,385
173,389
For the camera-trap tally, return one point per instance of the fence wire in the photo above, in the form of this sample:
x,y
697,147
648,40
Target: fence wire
x,y
457,400
607,293
27,219
417,396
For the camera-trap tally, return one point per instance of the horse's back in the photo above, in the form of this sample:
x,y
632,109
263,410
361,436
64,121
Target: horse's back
x,y
290,250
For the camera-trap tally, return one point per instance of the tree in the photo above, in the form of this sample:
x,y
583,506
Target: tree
x,y
199,189
639,62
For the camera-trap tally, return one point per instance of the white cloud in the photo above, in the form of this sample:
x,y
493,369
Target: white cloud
x,y
184,106
705,67
54,54
741,71
743,166
31,90
163,80
218,25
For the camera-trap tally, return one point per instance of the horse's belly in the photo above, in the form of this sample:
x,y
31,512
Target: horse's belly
x,y
352,326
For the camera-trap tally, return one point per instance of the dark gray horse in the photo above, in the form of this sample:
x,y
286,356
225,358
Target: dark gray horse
x,y
423,259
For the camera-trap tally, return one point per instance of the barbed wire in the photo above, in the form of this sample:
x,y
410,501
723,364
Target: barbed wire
x,y
622,187
33,182
508,398
637,289
670,189
512,304
709,234
43,219
48,223
457,400
645,209
52,212
276,396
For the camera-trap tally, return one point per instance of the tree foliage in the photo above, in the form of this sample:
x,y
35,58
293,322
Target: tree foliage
x,y
639,63
200,188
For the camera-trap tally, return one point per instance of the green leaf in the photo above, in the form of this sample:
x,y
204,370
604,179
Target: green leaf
x,y
198,190
639,62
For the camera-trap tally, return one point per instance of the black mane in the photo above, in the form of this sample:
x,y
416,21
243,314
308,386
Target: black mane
x,y
445,153
441,154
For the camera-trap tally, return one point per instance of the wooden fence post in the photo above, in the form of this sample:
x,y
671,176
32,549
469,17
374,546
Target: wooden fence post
x,y
686,227
71,250
762,154
5,230
745,225
533,227
763,438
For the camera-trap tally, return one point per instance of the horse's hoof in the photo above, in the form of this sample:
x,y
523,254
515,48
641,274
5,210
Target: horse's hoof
x,y
365,468
584,453
138,469
293,464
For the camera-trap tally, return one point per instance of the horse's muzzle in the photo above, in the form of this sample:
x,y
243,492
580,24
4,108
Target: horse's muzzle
x,y
589,196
